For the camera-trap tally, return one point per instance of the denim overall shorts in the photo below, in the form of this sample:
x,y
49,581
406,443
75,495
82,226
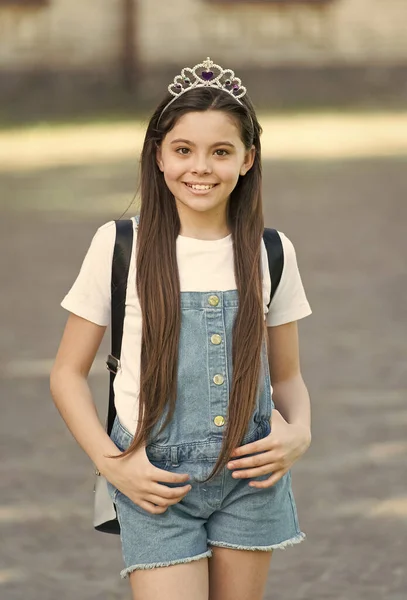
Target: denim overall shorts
x,y
224,511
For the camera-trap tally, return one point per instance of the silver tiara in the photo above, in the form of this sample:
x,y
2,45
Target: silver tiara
x,y
206,74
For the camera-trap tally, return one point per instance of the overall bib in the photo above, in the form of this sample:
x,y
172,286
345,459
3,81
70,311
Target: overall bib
x,y
223,511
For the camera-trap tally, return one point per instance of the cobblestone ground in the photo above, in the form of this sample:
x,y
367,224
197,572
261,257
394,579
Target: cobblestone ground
x,y
348,222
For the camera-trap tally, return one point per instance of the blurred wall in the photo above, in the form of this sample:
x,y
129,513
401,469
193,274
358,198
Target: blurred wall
x,y
60,55
265,33
61,34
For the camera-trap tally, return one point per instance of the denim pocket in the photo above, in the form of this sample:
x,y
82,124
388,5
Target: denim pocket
x,y
163,465
262,430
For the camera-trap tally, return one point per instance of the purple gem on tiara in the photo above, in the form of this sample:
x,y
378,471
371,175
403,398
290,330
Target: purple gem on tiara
x,y
178,85
235,88
207,75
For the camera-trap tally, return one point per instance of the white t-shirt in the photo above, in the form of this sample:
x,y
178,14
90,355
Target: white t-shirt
x,y
203,266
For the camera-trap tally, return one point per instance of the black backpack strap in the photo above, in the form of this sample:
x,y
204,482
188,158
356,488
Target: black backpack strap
x,y
275,255
120,271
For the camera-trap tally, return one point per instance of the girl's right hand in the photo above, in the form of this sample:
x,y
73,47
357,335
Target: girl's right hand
x,y
137,478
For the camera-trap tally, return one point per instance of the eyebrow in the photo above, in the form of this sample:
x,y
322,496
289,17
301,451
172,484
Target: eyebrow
x,y
192,143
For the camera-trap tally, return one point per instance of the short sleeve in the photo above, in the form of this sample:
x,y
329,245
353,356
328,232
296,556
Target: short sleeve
x,y
89,297
289,302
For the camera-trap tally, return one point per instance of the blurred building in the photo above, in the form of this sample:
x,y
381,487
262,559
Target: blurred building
x,y
290,51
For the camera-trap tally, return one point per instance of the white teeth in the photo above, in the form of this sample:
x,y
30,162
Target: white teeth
x,y
200,187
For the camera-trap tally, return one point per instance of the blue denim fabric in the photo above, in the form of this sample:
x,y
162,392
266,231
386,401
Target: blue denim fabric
x,y
223,511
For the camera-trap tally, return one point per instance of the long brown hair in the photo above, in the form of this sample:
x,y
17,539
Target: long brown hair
x,y
157,278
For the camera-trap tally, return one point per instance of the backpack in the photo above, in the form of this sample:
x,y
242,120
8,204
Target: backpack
x,y
105,518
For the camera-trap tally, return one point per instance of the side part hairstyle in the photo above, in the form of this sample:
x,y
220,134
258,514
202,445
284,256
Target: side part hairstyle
x,y
157,279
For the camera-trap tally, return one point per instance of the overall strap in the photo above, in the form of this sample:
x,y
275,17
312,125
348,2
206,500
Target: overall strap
x,y
275,255
120,270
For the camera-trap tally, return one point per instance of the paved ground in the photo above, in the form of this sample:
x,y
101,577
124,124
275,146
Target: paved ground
x,y
347,219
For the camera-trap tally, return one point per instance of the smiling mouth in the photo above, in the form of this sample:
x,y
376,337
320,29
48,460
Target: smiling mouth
x,y
200,186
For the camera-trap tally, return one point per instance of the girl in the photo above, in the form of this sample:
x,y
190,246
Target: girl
x,y
199,456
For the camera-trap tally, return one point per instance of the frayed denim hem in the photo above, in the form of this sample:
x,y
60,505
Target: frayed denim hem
x,y
126,572
281,546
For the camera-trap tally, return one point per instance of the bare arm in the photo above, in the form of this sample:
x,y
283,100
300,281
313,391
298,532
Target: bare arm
x,y
70,390
135,476
290,394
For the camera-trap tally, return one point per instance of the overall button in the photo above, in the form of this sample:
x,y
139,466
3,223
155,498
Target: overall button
x,y
213,300
218,379
219,421
216,339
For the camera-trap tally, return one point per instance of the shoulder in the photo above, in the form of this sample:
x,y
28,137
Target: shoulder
x,y
105,233
89,296
288,246
102,243
289,301
290,264
281,243
105,236
106,230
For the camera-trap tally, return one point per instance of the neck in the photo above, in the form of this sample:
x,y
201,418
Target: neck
x,y
203,226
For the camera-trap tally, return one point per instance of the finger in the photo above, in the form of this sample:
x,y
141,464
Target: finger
x,y
151,508
156,500
252,461
270,481
163,502
259,446
253,472
167,492
163,475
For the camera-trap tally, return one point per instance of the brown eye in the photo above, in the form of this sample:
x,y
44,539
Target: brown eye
x,y
181,151
225,152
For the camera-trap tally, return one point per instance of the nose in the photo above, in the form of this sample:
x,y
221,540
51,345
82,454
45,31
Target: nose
x,y
201,165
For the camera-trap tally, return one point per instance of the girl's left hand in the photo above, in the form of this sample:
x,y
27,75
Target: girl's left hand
x,y
285,444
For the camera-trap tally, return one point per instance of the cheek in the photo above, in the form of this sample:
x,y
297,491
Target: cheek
x,y
173,170
229,173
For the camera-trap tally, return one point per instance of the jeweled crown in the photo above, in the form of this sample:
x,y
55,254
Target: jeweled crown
x,y
206,74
